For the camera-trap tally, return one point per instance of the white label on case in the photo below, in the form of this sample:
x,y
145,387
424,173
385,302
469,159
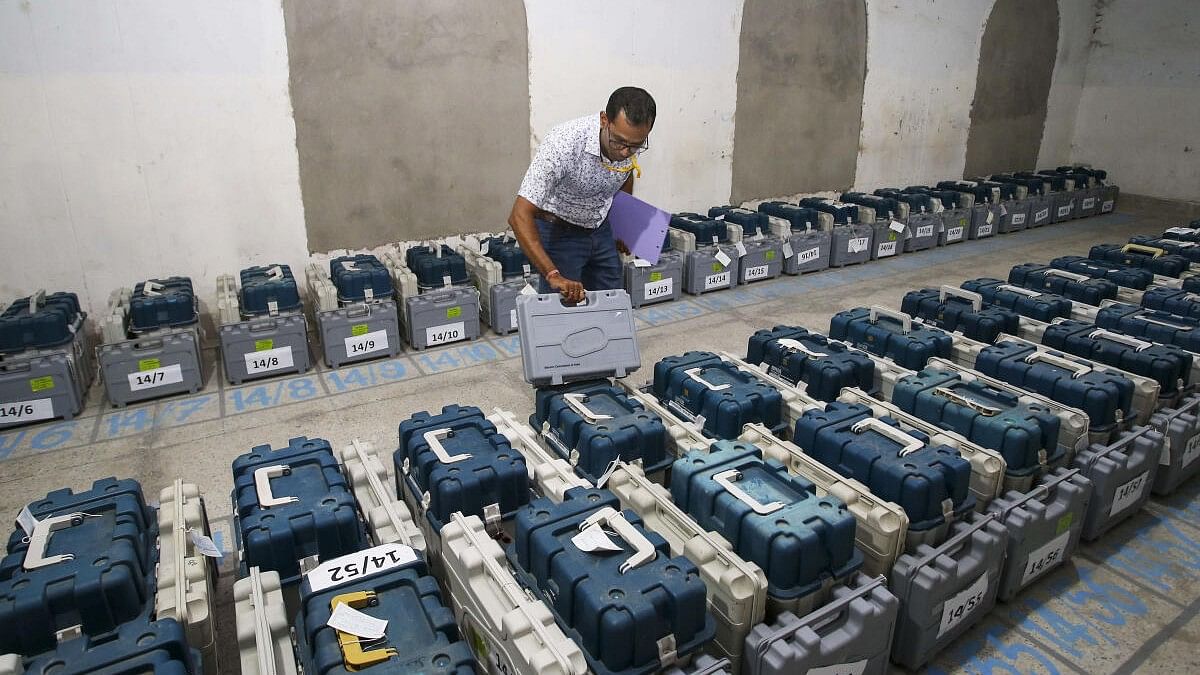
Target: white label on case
x,y
449,332
857,244
983,231
809,255
26,411
349,620
757,272
887,248
741,249
1045,557
159,377
718,280
26,520
962,605
593,540
659,289
1106,206
367,343
1128,493
1089,202
925,231
512,317
354,566
638,262
723,258
1064,210
1018,219
853,668
268,360
1193,451
897,226
787,249
991,217
204,544
955,233
1042,215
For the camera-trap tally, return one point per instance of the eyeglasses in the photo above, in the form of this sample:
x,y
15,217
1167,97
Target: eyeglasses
x,y
622,145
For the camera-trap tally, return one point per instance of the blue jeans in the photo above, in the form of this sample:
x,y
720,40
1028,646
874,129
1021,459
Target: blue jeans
x,y
587,256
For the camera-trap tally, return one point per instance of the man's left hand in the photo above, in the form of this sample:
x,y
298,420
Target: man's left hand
x,y
622,248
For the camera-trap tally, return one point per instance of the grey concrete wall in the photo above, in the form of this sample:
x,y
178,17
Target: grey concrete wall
x,y
1016,64
800,95
412,118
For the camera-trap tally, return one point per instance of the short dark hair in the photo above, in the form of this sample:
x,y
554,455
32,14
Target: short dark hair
x,y
637,104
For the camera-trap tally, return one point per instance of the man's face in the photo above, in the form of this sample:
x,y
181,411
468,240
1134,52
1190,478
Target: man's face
x,y
619,138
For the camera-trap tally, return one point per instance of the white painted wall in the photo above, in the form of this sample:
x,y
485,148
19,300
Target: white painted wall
x,y
142,138
1075,21
684,52
1139,112
922,58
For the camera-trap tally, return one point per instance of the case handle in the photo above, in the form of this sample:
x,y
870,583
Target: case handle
x,y
575,402
643,550
434,439
1020,291
354,657
1053,271
262,485
1178,242
904,319
911,443
37,300
956,292
1152,251
1159,322
35,555
1137,344
728,479
797,346
694,373
955,397
1078,369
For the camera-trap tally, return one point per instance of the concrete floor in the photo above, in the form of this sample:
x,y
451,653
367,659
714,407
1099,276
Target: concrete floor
x,y
1128,603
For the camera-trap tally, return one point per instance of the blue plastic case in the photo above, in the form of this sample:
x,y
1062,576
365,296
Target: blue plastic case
x,y
1042,278
52,325
886,336
798,355
161,303
957,314
1039,305
353,275
701,384
262,286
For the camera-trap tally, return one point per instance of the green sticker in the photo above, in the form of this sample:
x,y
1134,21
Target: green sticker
x,y
454,312
770,255
1064,523
656,276
41,383
149,364
264,345
360,329
891,235
718,267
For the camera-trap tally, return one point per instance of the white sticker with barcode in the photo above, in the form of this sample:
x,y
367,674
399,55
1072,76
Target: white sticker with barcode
x,y
808,255
857,244
158,377
756,272
723,258
355,566
719,280
26,411
962,605
450,332
1128,493
925,231
852,668
267,360
1045,557
367,343
659,289
887,248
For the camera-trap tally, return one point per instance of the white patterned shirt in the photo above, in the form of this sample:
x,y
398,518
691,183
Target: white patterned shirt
x,y
567,176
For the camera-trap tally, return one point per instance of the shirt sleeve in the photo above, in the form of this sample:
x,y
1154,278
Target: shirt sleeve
x,y
544,172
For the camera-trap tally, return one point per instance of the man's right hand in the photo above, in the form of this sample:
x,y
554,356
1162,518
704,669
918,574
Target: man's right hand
x,y
572,291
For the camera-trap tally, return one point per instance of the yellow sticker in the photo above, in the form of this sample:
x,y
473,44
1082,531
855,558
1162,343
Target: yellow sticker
x,y
454,312
264,345
718,267
770,255
360,329
656,276
149,364
41,383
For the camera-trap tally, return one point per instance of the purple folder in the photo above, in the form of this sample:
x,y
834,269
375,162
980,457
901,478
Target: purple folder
x,y
640,225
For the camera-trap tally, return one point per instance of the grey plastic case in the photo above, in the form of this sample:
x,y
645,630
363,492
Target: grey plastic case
x,y
1180,427
441,317
763,260
1043,526
377,319
887,242
703,665
563,343
925,230
660,282
499,304
851,244
1121,474
39,385
944,590
268,346
150,366
852,633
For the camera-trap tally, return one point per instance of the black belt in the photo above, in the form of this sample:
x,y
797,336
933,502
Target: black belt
x,y
555,220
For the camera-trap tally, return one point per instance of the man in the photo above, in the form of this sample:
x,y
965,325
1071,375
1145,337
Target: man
x,y
560,216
